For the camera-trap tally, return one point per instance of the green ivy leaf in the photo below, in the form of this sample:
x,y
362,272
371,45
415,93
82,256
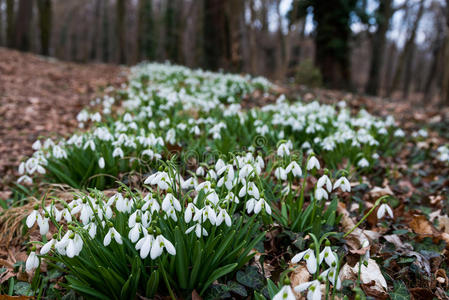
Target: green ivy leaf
x,y
251,278
23,289
237,288
217,291
400,291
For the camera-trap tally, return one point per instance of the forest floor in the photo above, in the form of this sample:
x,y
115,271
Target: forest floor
x,y
41,96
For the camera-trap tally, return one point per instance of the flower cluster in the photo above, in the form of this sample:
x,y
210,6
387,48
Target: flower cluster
x,y
199,111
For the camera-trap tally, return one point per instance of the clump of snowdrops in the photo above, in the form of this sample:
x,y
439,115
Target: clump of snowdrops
x,y
184,231
192,111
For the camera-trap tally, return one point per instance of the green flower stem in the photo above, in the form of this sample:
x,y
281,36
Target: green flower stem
x,y
365,216
172,295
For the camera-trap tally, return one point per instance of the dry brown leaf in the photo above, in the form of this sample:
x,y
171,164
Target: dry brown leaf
x,y
420,225
377,192
370,275
299,275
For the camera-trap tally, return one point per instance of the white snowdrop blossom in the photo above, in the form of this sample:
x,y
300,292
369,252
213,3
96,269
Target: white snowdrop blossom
x,y
384,209
32,261
285,293
313,288
309,256
343,184
313,163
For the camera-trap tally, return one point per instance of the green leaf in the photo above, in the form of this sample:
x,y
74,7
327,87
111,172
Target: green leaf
x,y
251,278
237,288
400,291
23,289
220,272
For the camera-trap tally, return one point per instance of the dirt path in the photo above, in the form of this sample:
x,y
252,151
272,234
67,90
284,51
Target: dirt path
x,y
42,96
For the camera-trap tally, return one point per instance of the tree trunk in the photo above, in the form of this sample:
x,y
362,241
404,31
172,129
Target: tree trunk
x,y
23,25
384,14
171,31
121,37
95,31
445,84
10,37
145,31
45,20
1,23
433,70
214,34
282,43
332,41
105,32
405,61
254,57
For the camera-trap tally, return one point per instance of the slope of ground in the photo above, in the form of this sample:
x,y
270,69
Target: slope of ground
x,y
41,96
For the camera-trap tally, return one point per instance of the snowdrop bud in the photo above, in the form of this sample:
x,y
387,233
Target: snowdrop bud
x,y
32,261
101,163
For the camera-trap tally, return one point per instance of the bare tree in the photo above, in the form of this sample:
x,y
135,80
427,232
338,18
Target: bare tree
x,y
45,20
383,15
406,56
121,32
23,25
10,37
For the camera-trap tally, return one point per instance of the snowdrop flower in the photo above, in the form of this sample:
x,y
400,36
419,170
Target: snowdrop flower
x,y
48,246
26,179
399,133
112,233
285,293
101,163
230,197
199,230
96,117
158,246
313,163
200,171
329,257
43,224
251,189
190,210
32,218
206,213
365,244
325,181
384,208
321,193
118,152
145,244
91,230
294,168
260,204
170,202
219,165
343,184
74,246
32,261
283,150
309,256
280,173
223,216
332,275
313,287
363,163
89,144
36,145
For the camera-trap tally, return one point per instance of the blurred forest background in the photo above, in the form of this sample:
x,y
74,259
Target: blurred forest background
x,y
388,48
